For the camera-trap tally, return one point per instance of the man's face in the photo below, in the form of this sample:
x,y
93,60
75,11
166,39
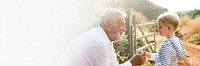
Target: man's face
x,y
118,30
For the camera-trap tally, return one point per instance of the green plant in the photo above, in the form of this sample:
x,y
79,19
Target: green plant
x,y
194,39
120,48
195,13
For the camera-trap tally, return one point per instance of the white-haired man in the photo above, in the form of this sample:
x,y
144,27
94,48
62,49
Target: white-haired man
x,y
95,47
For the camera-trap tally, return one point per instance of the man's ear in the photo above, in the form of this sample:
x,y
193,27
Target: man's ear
x,y
108,27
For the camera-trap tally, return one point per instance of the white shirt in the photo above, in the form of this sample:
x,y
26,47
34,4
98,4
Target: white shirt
x,y
92,48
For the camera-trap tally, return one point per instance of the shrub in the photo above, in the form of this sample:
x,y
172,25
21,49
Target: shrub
x,y
183,26
139,17
189,29
194,29
120,48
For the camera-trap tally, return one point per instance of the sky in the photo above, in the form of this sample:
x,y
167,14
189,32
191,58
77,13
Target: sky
x,y
178,5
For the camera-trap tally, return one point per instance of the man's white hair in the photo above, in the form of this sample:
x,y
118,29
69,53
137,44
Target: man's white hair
x,y
110,15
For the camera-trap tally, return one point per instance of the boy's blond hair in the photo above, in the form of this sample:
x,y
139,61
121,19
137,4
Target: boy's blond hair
x,y
169,18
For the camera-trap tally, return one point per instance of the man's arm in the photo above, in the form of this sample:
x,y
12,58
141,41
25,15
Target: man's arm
x,y
97,55
127,63
138,59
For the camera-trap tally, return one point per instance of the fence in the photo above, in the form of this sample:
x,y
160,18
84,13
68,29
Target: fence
x,y
132,35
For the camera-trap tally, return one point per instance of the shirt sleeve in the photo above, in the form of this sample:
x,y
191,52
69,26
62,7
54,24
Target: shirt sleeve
x,y
127,63
153,56
97,55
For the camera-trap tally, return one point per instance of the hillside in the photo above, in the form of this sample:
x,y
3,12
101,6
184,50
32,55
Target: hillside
x,y
148,8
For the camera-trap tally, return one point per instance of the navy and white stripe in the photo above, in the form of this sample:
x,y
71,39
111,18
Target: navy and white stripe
x,y
169,53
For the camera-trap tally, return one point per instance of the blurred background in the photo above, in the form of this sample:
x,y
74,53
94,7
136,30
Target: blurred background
x,y
36,32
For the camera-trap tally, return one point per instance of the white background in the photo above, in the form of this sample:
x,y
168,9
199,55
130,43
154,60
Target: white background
x,y
35,32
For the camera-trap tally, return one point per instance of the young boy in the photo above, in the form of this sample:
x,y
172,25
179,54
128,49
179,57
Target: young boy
x,y
172,48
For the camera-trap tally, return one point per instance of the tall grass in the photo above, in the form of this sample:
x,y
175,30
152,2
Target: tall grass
x,y
184,24
195,26
189,29
139,17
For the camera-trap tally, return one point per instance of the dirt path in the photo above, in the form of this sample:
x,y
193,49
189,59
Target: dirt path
x,y
193,55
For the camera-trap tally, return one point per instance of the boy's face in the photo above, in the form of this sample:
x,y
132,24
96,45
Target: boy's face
x,y
163,29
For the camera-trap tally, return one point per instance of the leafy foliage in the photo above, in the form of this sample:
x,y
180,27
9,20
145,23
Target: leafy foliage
x,y
120,48
188,29
195,13
192,14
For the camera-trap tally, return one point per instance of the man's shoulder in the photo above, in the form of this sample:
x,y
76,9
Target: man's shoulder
x,y
95,35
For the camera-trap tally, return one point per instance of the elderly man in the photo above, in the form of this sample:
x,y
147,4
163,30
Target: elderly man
x,y
95,47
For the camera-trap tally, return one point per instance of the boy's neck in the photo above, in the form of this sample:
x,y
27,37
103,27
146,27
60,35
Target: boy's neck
x,y
172,35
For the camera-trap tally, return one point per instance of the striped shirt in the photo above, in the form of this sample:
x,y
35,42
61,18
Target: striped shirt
x,y
171,50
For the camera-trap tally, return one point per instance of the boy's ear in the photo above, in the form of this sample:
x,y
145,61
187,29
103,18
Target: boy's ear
x,y
169,27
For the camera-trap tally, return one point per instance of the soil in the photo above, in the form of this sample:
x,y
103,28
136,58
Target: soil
x,y
192,56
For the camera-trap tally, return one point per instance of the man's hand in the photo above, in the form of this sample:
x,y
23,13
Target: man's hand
x,y
138,59
147,54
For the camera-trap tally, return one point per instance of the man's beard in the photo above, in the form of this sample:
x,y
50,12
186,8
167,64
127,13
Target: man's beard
x,y
117,37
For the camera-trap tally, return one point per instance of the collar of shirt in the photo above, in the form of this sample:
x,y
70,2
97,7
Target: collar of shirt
x,y
104,35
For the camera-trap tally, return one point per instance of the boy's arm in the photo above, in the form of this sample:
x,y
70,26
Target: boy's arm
x,y
151,55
